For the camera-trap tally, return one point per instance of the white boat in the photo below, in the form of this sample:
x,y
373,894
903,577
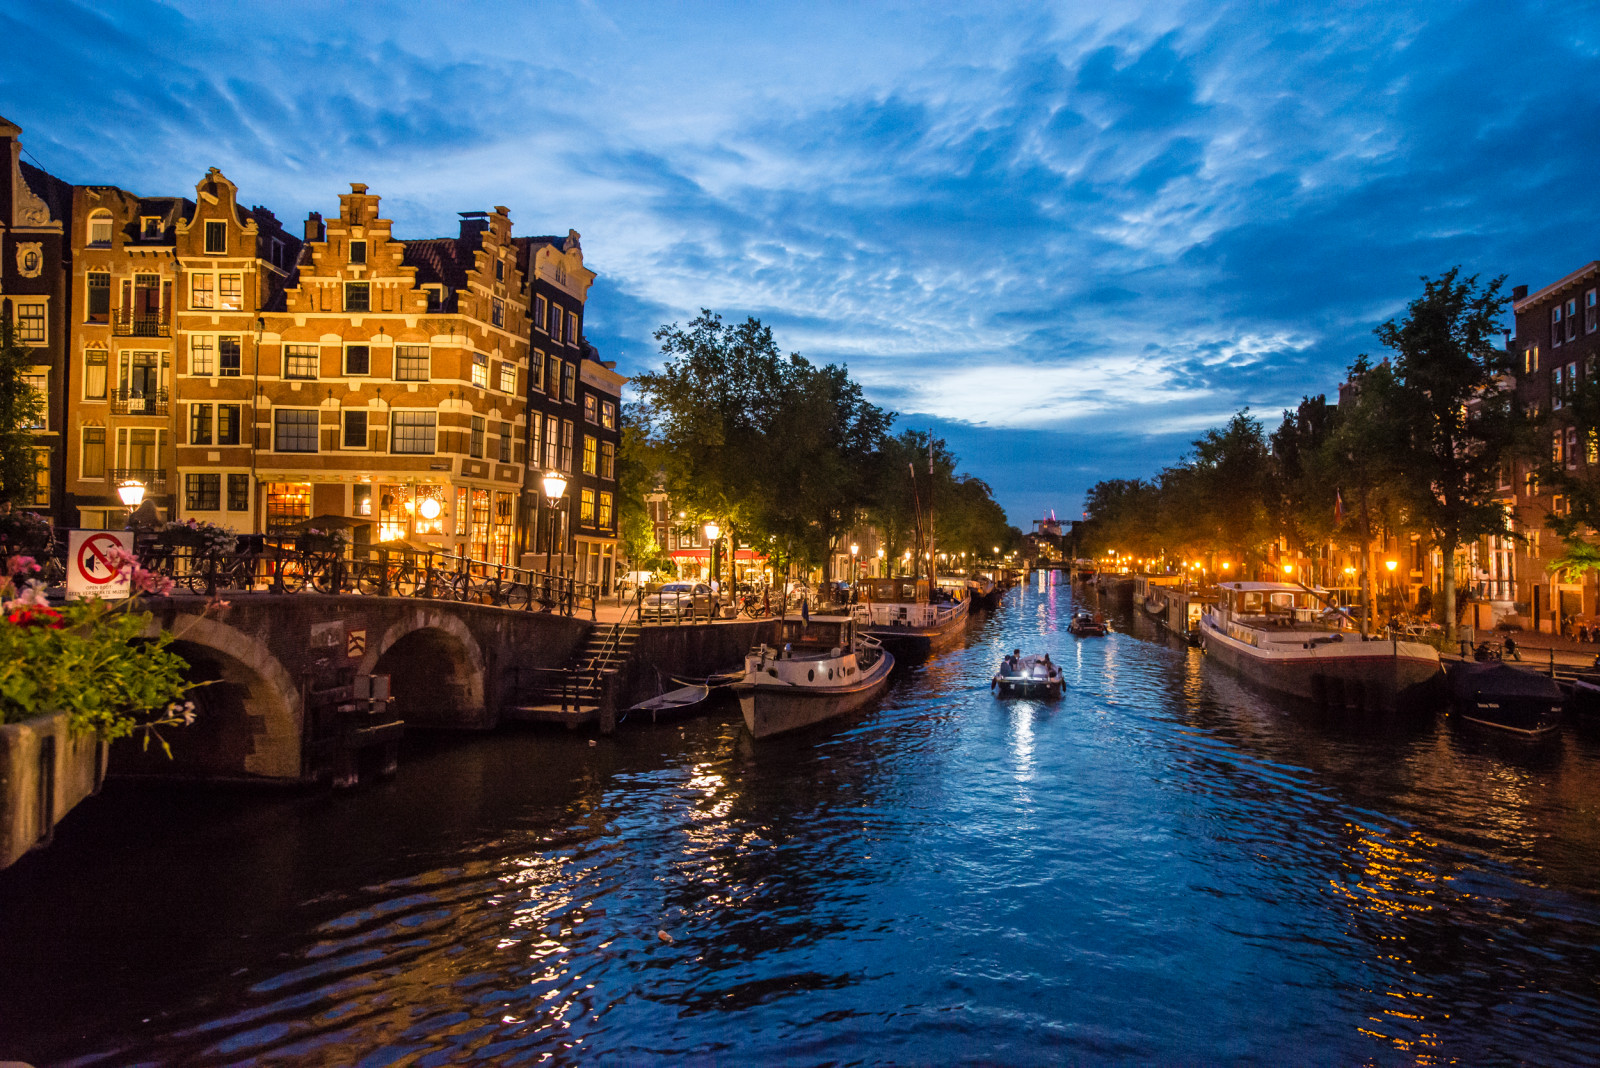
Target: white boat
x,y
823,668
902,613
1273,634
683,699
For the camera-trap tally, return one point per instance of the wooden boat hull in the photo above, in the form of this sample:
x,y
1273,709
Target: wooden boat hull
x,y
916,642
1372,676
774,709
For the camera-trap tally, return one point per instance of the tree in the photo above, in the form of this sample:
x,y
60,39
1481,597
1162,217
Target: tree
x,y
1305,500
20,408
1457,414
638,468
1231,489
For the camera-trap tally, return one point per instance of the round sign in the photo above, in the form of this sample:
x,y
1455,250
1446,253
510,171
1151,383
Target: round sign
x,y
97,549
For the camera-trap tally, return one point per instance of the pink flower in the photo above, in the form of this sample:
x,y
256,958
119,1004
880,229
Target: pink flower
x,y
21,565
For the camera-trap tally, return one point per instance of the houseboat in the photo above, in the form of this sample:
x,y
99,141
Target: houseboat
x,y
1282,637
823,667
908,617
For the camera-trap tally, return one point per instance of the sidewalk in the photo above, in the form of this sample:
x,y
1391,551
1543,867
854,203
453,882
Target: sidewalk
x,y
1535,648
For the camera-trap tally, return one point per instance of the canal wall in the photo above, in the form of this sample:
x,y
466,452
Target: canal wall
x,y
45,770
692,651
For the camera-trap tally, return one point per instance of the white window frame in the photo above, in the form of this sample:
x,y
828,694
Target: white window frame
x,y
344,414
317,426
31,301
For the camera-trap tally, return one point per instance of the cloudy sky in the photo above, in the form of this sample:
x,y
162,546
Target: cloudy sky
x,y
1069,237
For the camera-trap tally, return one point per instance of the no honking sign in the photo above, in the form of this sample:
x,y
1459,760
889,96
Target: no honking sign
x,y
89,570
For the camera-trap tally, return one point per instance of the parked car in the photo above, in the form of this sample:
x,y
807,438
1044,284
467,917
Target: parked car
x,y
678,600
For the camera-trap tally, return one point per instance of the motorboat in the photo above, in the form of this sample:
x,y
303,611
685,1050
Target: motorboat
x,y
1285,638
1087,624
822,667
906,616
1027,676
1495,694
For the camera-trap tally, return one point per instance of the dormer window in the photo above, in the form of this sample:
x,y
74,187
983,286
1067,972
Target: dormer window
x,y
100,229
435,297
150,227
216,237
358,252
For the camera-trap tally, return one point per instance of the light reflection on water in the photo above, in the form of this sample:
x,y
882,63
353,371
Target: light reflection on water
x,y
1160,866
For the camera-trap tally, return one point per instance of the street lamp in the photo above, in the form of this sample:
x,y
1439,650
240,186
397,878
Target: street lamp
x,y
713,532
1288,569
555,488
131,492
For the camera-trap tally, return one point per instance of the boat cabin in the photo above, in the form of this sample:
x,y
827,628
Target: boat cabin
x,y
894,590
822,632
1272,603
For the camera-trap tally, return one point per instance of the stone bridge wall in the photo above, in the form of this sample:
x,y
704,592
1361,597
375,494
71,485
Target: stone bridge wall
x,y
452,665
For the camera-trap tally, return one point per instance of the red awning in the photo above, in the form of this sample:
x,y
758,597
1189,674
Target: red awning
x,y
703,554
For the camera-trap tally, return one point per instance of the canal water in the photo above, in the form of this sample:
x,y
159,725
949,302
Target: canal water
x,y
1161,866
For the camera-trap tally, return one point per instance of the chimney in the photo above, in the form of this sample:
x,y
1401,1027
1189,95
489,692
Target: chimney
x,y
473,222
1519,292
314,226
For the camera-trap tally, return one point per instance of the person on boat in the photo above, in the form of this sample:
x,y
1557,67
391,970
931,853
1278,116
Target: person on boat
x,y
1510,646
1049,668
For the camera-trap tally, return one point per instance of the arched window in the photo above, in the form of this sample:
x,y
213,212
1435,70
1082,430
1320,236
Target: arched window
x,y
100,228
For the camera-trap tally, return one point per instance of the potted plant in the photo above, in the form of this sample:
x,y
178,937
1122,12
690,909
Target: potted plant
x,y
74,676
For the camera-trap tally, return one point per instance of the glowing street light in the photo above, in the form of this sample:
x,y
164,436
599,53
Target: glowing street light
x,y
131,492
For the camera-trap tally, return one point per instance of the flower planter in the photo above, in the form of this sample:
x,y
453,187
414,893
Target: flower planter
x,y
45,770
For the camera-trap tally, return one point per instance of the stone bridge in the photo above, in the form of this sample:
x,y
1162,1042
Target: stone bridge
x,y
451,664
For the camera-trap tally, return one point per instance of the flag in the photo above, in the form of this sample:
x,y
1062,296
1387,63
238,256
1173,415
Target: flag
x,y
1338,507
805,611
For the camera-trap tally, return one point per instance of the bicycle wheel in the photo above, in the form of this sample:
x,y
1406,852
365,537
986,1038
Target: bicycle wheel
x,y
517,595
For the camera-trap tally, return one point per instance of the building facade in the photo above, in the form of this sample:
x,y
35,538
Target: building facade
x,y
1556,349
35,297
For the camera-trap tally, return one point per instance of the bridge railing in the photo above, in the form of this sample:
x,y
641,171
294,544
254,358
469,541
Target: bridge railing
x,y
298,564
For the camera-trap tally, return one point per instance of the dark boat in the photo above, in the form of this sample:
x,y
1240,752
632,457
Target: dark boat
x,y
1087,624
825,668
683,699
1029,676
1495,694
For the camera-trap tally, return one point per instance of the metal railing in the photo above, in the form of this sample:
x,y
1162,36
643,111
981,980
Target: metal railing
x,y
139,401
310,563
154,478
125,323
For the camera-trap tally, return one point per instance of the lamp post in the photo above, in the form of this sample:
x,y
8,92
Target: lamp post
x,y
880,562
131,493
1390,565
713,533
555,488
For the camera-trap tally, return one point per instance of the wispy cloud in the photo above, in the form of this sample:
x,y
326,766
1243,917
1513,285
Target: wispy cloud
x,y
1106,226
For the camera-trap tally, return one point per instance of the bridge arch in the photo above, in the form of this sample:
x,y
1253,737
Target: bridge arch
x,y
435,664
249,711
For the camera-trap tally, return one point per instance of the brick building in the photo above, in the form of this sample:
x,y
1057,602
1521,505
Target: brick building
x,y
35,262
1557,347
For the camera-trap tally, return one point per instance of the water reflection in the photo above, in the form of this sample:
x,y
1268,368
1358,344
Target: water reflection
x,y
1162,866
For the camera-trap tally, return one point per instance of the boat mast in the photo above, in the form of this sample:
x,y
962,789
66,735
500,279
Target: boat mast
x,y
933,566
916,538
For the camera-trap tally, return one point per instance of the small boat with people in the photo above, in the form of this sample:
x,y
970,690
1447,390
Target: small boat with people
x,y
1027,676
1087,624
1494,694
823,666
1293,640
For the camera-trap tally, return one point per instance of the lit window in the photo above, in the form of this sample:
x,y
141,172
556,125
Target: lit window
x,y
586,507
608,415
591,452
100,229
480,369
92,458
202,355
411,363
412,432
300,361
294,429
230,291
605,510
508,378
40,386
202,291
30,322
591,409
572,328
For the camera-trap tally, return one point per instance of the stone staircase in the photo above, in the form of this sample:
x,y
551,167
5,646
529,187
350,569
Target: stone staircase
x,y
577,693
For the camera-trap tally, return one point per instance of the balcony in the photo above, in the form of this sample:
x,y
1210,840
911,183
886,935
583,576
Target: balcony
x,y
139,402
154,478
125,323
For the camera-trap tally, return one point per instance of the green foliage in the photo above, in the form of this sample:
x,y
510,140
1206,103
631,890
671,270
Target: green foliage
x,y
1577,559
87,659
20,408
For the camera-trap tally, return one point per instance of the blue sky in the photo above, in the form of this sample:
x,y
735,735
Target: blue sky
x,y
1068,237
